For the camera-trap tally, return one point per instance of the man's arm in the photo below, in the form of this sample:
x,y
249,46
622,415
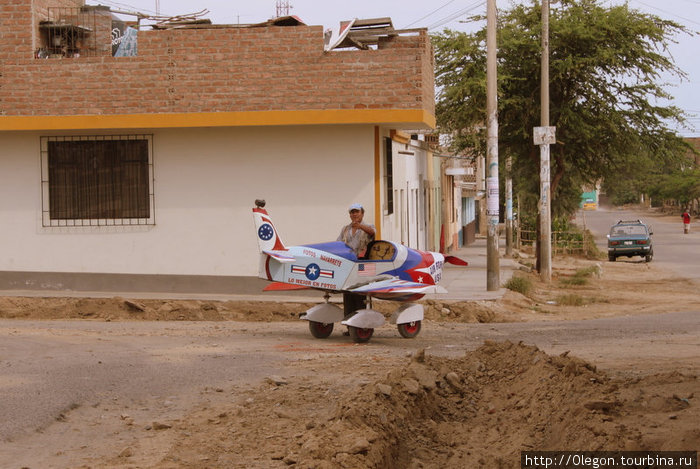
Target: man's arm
x,y
369,229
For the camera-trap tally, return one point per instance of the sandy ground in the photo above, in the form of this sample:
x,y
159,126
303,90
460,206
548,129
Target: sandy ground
x,y
478,410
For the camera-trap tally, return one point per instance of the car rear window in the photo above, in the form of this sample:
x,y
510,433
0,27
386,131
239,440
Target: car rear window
x,y
623,230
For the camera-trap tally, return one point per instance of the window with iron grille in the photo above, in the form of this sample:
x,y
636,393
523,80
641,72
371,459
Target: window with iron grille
x,y
97,180
74,32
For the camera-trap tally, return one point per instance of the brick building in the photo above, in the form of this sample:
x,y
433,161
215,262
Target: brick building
x,y
139,172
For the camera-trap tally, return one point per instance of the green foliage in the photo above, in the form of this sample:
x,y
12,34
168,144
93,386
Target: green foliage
x,y
623,190
562,224
520,284
590,248
683,186
570,299
605,63
581,276
529,222
662,178
577,281
587,271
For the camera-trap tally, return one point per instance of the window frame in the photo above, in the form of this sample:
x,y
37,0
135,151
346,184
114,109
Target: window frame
x,y
48,221
389,175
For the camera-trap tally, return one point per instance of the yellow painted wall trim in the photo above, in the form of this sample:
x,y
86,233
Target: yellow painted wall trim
x,y
412,117
399,137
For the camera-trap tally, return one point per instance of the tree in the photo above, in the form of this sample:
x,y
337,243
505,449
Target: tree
x,y
682,186
605,67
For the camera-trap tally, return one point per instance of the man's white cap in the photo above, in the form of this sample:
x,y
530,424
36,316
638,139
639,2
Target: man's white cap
x,y
355,207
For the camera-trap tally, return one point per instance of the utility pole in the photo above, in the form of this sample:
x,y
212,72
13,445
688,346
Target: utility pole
x,y
492,202
544,136
509,206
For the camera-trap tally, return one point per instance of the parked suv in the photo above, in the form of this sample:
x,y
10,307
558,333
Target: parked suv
x,y
630,238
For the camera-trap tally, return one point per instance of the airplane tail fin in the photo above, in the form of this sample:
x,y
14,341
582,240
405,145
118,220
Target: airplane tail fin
x,y
267,234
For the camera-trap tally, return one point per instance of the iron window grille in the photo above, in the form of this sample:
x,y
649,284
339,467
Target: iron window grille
x,y
97,180
74,32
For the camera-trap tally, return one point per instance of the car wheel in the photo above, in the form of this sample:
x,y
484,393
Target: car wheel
x,y
409,330
360,335
320,330
649,257
611,257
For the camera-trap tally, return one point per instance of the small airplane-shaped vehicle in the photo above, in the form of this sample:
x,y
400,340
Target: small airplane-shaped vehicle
x,y
388,271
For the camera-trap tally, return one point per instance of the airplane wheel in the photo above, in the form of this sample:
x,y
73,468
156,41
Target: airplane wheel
x,y
409,330
320,330
360,335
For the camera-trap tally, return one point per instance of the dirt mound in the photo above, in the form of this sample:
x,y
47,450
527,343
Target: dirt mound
x,y
480,410
500,310
117,308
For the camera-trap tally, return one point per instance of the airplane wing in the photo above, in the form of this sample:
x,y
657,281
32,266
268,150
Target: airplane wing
x,y
280,256
397,287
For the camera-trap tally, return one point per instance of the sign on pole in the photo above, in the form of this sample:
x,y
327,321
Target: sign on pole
x,y
544,135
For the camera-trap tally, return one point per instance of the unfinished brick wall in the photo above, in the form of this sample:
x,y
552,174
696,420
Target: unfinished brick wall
x,y
213,70
16,29
428,75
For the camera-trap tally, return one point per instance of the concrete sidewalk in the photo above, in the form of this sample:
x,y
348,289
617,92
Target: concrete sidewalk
x,y
462,283
469,283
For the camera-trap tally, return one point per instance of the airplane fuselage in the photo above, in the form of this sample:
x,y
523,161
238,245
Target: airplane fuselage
x,y
333,266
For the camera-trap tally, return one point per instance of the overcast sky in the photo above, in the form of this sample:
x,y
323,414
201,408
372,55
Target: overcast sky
x,y
435,16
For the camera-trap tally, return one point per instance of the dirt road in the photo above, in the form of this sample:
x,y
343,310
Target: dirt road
x,y
79,393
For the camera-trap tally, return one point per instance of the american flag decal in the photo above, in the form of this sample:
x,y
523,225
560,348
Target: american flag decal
x,y
365,270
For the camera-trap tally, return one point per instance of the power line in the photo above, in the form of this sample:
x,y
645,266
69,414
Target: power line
x,y
429,14
668,12
127,7
457,14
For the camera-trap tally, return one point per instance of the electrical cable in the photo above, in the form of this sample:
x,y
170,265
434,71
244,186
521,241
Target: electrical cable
x,y
429,14
457,14
667,12
127,7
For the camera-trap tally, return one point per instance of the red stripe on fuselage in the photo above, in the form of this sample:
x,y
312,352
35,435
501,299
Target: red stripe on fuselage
x,y
267,268
418,276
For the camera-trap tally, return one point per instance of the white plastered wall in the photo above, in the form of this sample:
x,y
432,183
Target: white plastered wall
x,y
407,224
206,182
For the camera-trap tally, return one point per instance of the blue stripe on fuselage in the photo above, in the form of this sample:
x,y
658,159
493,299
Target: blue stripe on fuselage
x,y
412,260
337,248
